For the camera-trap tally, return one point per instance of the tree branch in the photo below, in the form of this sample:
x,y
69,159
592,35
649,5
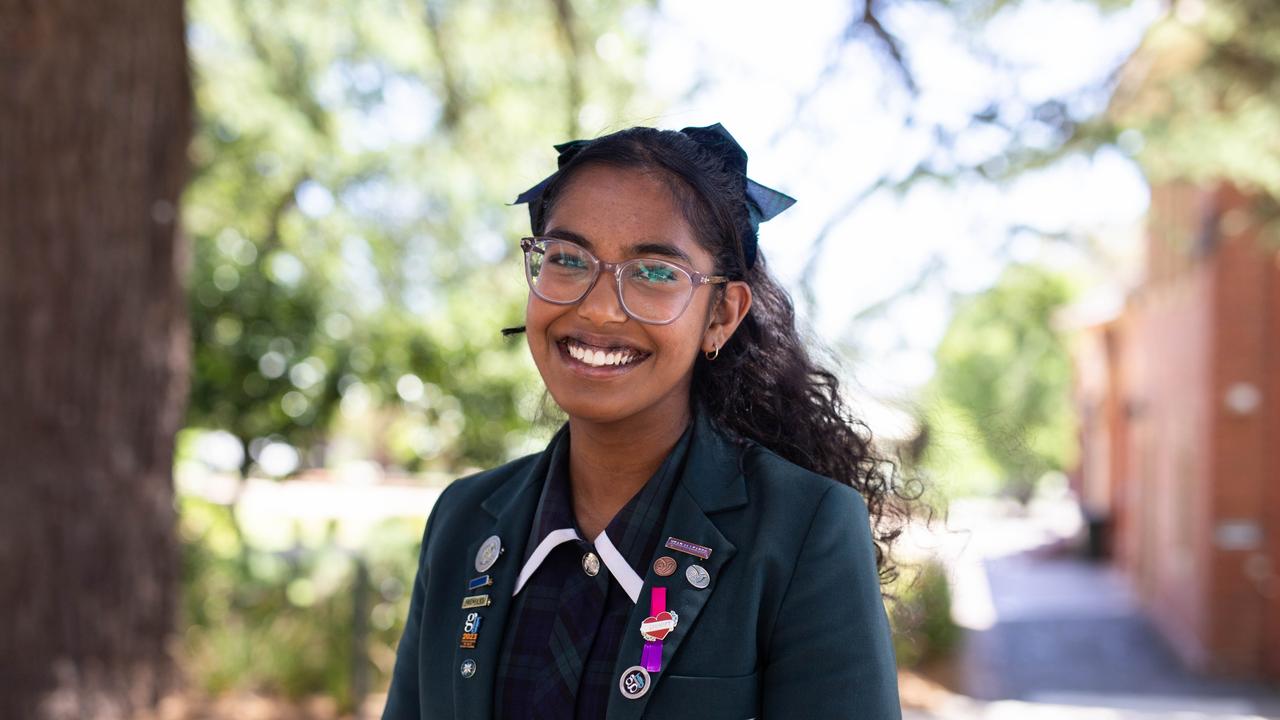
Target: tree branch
x,y
289,79
453,99
573,72
891,44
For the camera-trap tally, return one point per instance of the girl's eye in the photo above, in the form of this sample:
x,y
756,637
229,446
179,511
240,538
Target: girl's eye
x,y
657,274
567,261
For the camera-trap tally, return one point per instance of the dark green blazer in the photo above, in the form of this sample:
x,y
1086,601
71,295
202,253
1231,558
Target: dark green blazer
x,y
791,626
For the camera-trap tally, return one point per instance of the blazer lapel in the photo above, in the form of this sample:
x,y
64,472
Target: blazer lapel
x,y
710,482
510,509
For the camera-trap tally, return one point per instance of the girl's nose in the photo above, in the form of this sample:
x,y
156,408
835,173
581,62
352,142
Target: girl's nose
x,y
602,304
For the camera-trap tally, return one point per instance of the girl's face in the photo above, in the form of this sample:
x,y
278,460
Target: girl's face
x,y
618,214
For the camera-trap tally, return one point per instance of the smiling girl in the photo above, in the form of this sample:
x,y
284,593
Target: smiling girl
x,y
703,537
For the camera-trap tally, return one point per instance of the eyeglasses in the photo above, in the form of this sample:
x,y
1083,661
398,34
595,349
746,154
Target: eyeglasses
x,y
649,290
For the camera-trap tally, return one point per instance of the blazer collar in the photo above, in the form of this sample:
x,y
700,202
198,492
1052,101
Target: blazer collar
x,y
510,510
508,493
712,482
712,473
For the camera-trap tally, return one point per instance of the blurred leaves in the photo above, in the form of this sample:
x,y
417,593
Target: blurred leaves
x,y
1202,94
284,622
353,162
920,614
999,406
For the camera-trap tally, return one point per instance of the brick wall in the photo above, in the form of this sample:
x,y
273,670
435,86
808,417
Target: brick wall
x,y
1189,411
1241,298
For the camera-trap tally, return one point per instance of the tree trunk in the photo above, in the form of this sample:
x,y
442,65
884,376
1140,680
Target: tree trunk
x,y
94,122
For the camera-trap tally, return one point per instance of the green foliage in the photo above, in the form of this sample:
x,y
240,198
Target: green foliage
x,y
1204,92
283,622
1002,388
352,165
920,615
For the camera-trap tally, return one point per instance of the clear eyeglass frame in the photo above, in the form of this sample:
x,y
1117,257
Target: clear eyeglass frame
x,y
536,244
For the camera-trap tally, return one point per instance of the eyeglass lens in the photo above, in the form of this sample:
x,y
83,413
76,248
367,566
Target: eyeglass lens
x,y
652,290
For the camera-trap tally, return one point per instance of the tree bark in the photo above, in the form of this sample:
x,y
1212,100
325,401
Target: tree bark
x,y
94,122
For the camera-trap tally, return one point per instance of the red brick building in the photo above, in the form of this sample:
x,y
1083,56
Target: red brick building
x,y
1179,401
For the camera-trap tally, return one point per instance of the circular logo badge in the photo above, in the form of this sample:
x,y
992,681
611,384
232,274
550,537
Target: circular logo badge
x,y
664,566
590,564
697,576
468,668
634,682
488,553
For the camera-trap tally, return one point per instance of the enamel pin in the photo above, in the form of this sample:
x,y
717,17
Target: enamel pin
x,y
488,553
634,682
664,566
692,548
697,576
590,564
475,601
468,668
478,582
656,627
470,631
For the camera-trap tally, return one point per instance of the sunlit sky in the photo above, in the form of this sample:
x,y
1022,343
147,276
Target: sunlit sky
x,y
751,62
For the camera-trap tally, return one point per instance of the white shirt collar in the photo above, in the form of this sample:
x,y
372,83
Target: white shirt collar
x,y
613,560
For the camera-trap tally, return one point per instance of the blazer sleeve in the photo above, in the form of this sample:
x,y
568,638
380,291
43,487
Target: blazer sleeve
x,y
403,696
831,653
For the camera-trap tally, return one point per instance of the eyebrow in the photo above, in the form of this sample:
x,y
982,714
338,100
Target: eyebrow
x,y
644,248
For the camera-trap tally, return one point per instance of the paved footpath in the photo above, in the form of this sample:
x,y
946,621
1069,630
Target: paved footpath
x,y
1051,636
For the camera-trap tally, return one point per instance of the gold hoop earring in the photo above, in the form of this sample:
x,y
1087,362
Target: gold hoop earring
x,y
712,356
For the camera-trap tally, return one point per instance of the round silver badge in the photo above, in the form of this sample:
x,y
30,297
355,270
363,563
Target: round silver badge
x,y
634,682
590,564
488,553
468,668
697,576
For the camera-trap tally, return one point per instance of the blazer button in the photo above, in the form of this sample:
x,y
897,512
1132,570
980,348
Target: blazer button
x,y
590,564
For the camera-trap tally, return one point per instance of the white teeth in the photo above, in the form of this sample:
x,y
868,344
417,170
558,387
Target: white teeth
x,y
598,358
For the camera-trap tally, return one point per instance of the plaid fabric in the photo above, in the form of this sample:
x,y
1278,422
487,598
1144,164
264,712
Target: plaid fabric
x,y
558,655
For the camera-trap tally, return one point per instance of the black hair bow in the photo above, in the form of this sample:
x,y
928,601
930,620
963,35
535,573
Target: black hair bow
x,y
763,203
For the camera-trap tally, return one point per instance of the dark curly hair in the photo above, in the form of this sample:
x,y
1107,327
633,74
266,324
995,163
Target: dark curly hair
x,y
764,385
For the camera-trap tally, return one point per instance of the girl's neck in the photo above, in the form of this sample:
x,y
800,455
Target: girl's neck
x,y
609,463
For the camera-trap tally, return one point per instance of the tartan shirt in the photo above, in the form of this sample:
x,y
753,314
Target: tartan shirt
x,y
558,656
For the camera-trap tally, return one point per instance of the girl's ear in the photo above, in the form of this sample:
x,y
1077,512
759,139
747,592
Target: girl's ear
x,y
726,315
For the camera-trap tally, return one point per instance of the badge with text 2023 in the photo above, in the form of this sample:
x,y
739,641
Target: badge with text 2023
x,y
470,631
